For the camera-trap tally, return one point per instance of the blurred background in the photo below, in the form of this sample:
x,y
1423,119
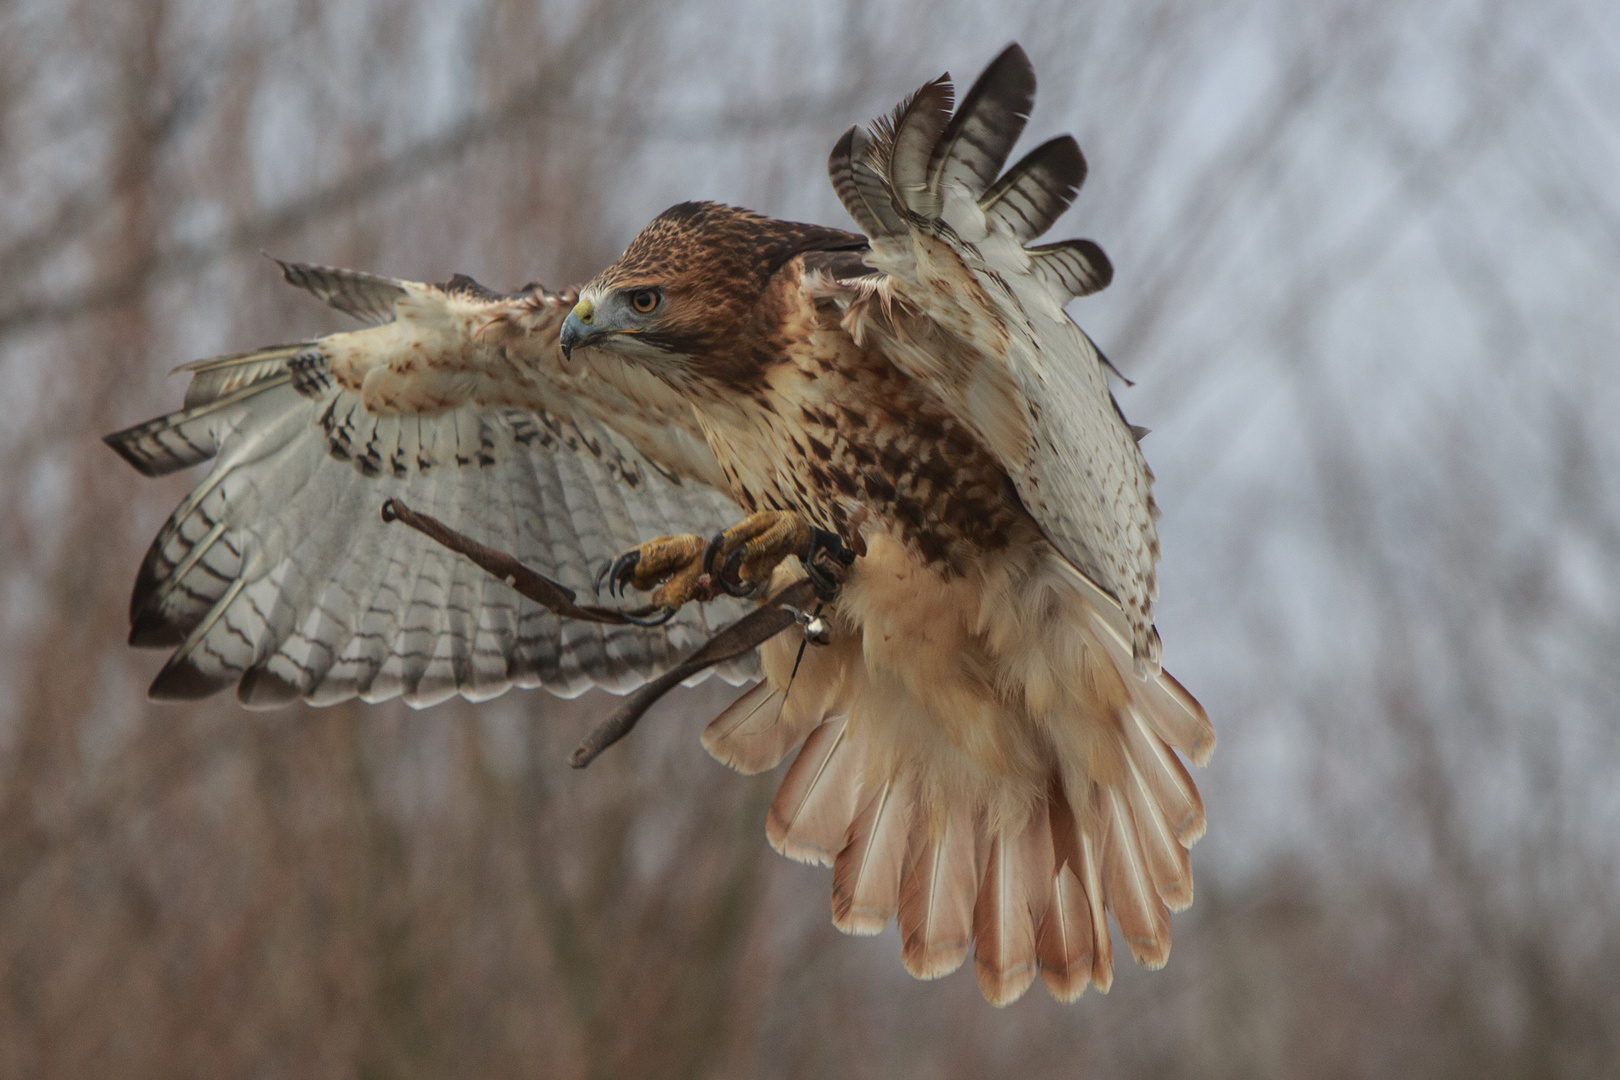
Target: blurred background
x,y
1367,262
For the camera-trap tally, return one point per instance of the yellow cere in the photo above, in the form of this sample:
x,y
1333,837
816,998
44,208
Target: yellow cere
x,y
584,311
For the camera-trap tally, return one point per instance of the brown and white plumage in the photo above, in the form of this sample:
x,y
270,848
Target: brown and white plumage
x,y
987,753
278,575
989,746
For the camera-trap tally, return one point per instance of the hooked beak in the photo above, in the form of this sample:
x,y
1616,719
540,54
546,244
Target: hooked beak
x,y
578,328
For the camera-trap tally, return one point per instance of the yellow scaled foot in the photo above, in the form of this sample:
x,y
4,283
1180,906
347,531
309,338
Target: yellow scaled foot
x,y
668,565
738,561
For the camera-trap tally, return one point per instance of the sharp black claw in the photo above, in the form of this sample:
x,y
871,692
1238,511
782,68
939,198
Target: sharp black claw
x,y
712,551
621,571
730,578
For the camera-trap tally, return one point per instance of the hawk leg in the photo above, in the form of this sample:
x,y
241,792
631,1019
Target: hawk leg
x,y
737,561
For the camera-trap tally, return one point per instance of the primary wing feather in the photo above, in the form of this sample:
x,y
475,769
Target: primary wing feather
x,y
278,574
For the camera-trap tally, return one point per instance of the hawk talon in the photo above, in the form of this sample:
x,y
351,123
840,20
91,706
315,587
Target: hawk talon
x,y
730,577
716,542
602,576
665,566
620,572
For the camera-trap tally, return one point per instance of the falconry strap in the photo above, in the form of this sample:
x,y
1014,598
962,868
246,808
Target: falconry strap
x,y
765,622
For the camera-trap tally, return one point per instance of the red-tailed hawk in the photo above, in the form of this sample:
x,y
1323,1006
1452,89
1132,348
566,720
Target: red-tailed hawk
x,y
986,744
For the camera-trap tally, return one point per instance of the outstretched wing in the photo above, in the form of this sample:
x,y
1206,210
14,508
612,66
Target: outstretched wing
x,y
961,304
278,574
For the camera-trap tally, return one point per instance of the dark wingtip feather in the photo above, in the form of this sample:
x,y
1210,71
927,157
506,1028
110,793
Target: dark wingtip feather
x,y
261,688
182,680
981,135
121,442
1077,267
367,297
1011,63
841,169
160,446
149,630
154,573
1037,190
871,190
906,142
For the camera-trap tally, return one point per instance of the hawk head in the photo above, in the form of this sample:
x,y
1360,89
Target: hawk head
x,y
683,299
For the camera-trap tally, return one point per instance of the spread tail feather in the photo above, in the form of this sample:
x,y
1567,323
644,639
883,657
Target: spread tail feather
x,y
809,818
1127,882
1178,719
938,893
1063,943
866,874
1166,808
1031,899
1010,908
752,734
1173,714
758,730
969,857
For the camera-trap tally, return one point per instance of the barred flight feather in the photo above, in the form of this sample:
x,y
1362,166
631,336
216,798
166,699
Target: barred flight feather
x,y
1074,268
278,575
980,137
367,297
907,146
880,205
224,375
841,169
1035,192
183,439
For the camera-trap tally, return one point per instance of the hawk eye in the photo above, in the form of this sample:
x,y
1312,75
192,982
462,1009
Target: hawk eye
x,y
644,300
